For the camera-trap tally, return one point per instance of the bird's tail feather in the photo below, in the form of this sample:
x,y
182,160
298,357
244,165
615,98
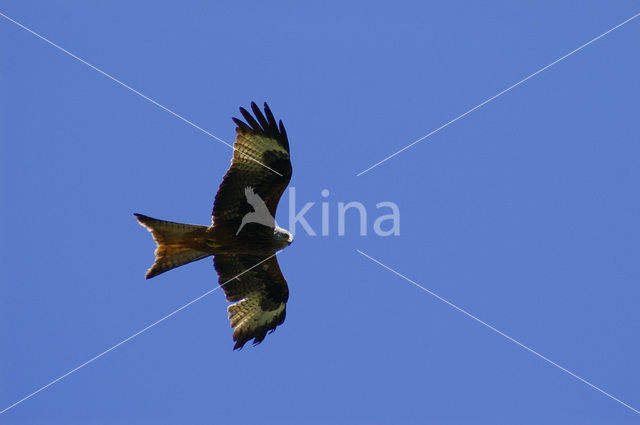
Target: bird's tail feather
x,y
176,243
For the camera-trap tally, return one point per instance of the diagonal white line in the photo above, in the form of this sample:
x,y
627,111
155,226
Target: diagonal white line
x,y
498,332
133,90
130,337
499,94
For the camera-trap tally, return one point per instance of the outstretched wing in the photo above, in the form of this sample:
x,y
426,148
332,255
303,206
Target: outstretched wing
x,y
260,161
259,291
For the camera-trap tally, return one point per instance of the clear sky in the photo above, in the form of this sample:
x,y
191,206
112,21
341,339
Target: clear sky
x,y
523,213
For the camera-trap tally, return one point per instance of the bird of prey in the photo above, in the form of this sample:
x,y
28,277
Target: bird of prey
x,y
243,237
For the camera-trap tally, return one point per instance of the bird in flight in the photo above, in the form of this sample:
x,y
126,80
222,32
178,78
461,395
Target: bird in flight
x,y
243,237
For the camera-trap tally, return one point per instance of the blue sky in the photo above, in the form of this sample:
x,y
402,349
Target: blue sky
x,y
524,212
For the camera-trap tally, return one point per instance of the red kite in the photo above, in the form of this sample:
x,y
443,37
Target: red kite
x,y
243,237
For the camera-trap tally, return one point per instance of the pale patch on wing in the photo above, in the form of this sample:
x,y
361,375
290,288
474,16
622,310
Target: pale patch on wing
x,y
261,144
249,320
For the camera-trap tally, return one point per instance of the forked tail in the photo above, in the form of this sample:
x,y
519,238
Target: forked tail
x,y
177,243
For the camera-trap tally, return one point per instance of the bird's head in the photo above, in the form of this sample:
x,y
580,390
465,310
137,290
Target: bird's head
x,y
284,237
